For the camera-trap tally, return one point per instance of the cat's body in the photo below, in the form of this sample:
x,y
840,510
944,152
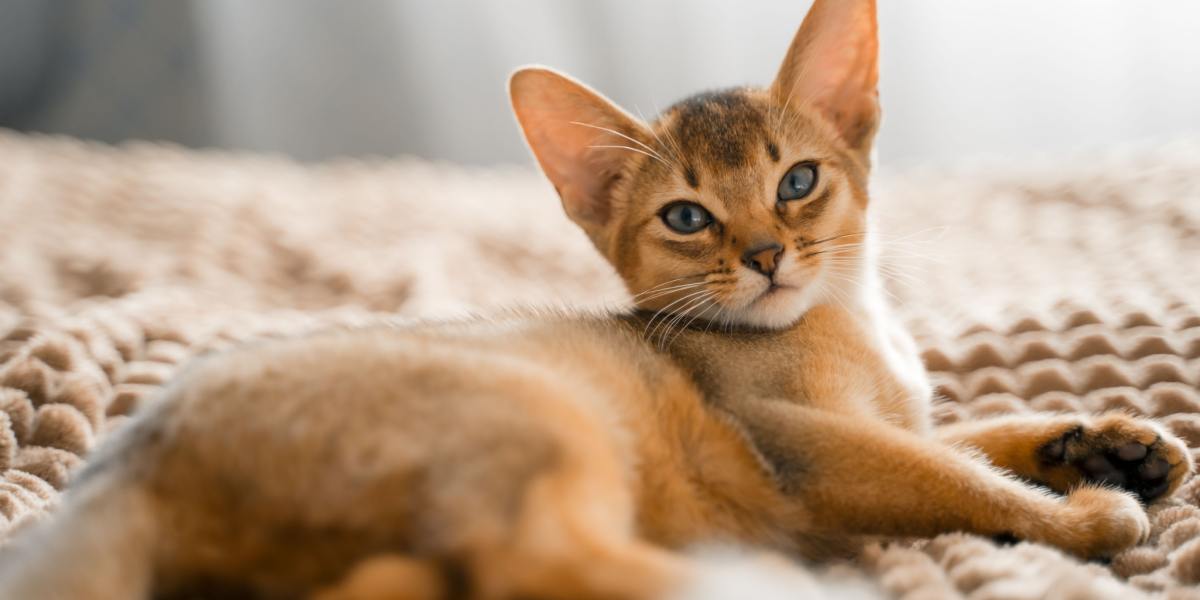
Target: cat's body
x,y
763,396
373,441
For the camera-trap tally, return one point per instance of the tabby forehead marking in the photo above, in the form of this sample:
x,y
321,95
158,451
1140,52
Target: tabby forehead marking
x,y
723,128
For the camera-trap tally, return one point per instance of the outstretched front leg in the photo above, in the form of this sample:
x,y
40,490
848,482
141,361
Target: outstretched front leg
x,y
1064,451
854,475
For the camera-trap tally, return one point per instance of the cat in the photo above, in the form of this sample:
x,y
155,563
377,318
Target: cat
x,y
759,393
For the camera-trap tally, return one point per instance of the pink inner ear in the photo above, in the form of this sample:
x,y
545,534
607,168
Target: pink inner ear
x,y
563,122
576,170
832,65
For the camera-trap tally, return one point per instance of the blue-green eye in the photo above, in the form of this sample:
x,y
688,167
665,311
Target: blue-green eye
x,y
686,217
798,183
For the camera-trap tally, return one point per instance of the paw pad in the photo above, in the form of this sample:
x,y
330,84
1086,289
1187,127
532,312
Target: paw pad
x,y
1114,456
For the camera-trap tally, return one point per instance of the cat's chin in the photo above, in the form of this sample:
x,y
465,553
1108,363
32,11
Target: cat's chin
x,y
777,307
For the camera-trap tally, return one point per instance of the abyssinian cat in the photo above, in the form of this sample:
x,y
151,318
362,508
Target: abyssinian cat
x,y
759,394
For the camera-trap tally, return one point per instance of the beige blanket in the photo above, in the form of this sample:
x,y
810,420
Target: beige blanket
x,y
1072,286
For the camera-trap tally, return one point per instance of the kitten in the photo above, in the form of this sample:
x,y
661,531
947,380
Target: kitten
x,y
760,394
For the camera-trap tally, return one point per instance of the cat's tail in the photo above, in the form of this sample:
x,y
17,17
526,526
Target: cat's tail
x,y
99,546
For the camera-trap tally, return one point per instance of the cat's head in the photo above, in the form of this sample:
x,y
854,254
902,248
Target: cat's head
x,y
745,206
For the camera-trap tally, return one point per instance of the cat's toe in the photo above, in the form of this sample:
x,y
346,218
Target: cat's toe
x,y
1133,451
1129,453
1097,468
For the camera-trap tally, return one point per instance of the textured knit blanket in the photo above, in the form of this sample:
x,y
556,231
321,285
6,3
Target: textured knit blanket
x,y
1069,285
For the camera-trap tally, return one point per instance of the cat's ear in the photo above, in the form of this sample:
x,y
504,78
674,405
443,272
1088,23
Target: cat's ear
x,y
833,67
575,133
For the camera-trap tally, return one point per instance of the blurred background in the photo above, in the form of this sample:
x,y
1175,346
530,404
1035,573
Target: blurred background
x,y
315,79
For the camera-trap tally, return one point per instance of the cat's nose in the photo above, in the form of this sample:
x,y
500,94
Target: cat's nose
x,y
763,259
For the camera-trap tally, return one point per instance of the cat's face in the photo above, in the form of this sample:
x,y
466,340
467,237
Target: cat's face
x,y
745,206
747,212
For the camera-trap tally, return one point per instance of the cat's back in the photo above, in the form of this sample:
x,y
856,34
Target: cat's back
x,y
346,370
410,389
358,438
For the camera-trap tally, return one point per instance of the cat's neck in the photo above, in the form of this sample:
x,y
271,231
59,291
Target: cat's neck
x,y
731,362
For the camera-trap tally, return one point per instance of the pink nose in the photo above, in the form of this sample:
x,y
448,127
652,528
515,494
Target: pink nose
x,y
763,259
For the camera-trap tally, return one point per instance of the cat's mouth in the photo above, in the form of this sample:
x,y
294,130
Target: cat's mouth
x,y
775,288
773,291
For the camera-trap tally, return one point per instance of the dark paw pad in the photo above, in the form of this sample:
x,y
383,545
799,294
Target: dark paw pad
x,y
1130,465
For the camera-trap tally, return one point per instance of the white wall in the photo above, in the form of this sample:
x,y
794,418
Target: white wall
x,y
963,78
315,78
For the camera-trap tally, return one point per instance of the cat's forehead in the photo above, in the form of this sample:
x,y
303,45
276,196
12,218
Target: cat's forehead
x,y
731,145
725,129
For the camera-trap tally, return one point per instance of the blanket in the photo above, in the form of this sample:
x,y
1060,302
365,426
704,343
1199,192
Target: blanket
x,y
1068,284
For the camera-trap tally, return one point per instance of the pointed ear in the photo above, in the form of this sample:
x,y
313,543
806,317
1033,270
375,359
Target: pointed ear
x,y
568,125
833,66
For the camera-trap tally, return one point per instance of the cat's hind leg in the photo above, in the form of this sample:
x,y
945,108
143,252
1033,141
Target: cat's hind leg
x,y
391,577
1065,451
573,540
559,548
568,532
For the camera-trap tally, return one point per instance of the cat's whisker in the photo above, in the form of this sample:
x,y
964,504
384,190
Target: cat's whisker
x,y
660,291
655,297
683,313
615,147
817,253
899,275
670,281
664,324
886,265
840,294
698,315
623,136
838,249
666,290
909,255
665,309
782,113
834,293
674,152
855,279
835,237
940,229
677,149
716,317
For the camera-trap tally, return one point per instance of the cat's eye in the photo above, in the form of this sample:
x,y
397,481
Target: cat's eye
x,y
686,217
799,182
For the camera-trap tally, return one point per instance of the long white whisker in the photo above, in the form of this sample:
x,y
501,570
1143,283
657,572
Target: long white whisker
x,y
619,134
693,319
680,315
643,152
671,291
682,312
679,312
661,290
667,308
676,149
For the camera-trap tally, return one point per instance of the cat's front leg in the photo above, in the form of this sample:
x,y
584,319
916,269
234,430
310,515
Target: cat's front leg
x,y
857,476
1063,451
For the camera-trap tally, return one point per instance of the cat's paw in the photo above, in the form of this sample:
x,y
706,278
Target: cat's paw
x,y
1118,450
1099,522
